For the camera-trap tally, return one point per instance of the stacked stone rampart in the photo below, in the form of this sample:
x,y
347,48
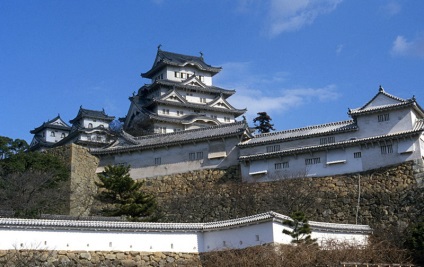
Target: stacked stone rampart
x,y
388,196
96,258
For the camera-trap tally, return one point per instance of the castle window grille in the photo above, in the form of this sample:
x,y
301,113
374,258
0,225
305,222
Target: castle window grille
x,y
312,161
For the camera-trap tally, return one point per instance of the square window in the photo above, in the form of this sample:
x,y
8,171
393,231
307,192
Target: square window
x,y
357,155
158,161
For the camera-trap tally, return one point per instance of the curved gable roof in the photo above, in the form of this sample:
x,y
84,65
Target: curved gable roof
x,y
55,123
164,58
385,101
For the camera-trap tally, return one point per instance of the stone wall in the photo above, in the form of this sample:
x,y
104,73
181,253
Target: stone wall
x,y
83,175
96,258
391,196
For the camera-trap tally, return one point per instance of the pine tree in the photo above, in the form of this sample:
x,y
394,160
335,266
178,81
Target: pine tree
x,y
263,123
301,232
124,196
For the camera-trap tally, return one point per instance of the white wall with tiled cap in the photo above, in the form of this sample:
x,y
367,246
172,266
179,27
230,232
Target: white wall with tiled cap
x,y
243,232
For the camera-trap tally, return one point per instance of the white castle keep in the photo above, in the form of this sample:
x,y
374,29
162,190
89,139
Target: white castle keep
x,y
181,122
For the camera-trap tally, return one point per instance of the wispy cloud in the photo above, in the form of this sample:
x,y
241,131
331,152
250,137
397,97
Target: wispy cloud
x,y
339,49
270,93
408,48
289,15
390,9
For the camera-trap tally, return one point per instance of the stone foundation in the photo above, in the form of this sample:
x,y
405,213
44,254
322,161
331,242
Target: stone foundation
x,y
96,258
390,196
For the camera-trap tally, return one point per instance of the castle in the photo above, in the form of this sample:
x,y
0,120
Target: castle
x,y
181,122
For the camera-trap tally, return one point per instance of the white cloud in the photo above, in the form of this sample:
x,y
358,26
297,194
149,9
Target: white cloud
x,y
289,15
413,48
339,49
392,8
270,93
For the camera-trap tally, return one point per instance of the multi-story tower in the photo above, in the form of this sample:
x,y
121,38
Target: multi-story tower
x,y
49,133
181,96
90,128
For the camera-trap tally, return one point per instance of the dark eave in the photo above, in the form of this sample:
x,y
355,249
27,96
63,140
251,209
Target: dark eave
x,y
155,102
178,85
93,114
178,138
164,58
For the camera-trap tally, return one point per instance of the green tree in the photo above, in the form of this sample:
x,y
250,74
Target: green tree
x,y
415,241
123,196
301,232
263,123
8,146
31,183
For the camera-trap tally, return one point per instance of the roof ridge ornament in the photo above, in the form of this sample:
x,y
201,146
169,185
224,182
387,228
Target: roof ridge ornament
x,y
159,46
381,89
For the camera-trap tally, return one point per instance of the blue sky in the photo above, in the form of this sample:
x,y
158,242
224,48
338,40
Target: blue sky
x,y
304,62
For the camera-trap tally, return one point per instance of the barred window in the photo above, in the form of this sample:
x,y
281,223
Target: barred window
x,y
312,161
273,148
158,161
192,156
327,140
383,117
281,165
357,155
386,149
199,155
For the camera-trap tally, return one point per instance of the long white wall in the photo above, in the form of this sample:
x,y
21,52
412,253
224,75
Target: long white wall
x,y
245,232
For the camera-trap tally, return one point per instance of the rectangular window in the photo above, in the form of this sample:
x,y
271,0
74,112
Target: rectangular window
x,y
199,155
160,129
281,165
357,155
386,149
327,140
202,100
180,113
273,148
157,161
176,74
214,116
383,117
183,75
312,161
165,111
192,156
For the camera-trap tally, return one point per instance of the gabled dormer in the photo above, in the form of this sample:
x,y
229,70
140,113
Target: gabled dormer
x,y
173,96
220,102
194,81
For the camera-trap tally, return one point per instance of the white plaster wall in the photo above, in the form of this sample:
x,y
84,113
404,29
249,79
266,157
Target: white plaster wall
x,y
100,240
170,74
400,120
57,135
246,236
174,159
165,241
95,123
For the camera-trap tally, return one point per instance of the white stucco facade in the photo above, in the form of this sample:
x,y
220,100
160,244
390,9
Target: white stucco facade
x,y
385,131
265,228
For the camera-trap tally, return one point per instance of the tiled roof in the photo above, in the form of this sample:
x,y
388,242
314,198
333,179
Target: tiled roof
x,y
186,119
164,58
119,226
299,133
51,125
208,89
170,139
94,114
418,129
237,112
400,103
